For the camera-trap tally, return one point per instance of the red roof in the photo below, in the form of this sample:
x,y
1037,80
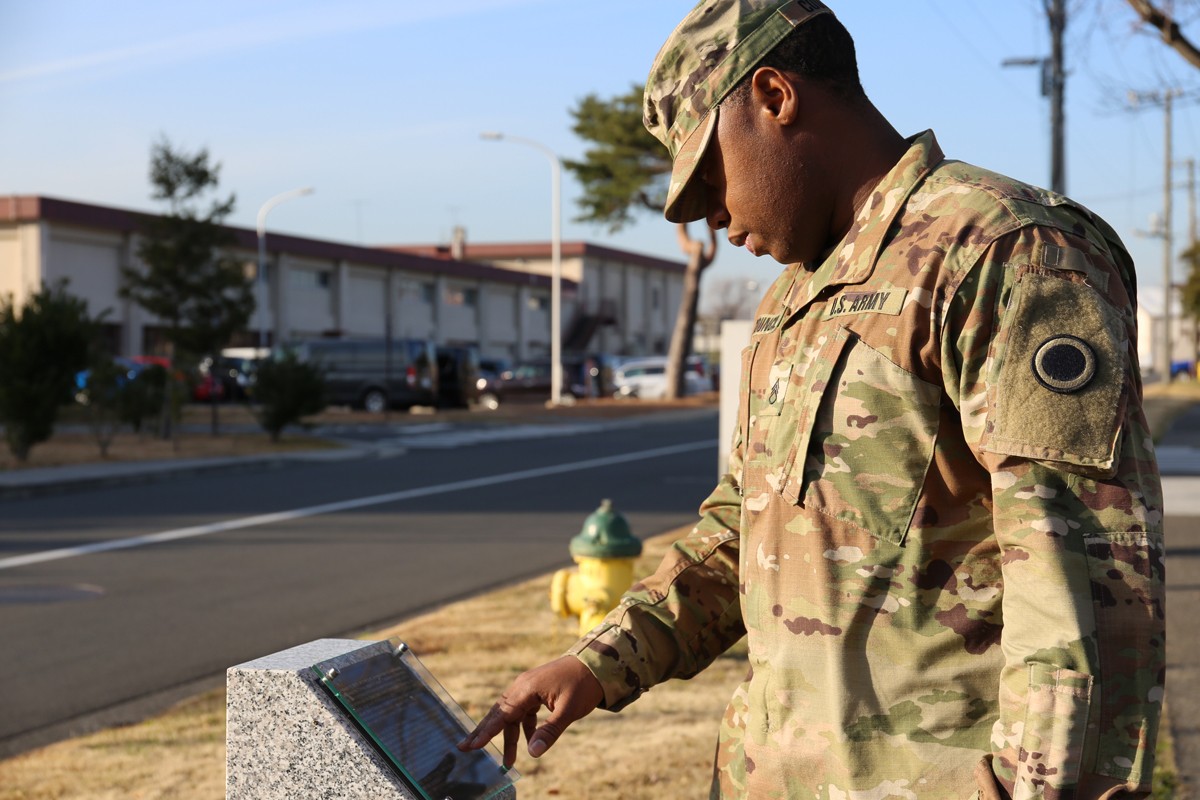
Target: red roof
x,y
511,251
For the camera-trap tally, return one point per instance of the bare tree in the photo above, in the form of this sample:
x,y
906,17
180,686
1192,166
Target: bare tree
x,y
1164,22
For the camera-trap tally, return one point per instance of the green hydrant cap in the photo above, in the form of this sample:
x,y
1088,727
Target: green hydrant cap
x,y
606,534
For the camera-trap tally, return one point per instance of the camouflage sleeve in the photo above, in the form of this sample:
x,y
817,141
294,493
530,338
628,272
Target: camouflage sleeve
x,y
677,621
1039,354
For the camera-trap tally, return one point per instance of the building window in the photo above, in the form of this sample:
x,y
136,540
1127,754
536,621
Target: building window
x,y
309,279
538,302
462,296
428,293
654,298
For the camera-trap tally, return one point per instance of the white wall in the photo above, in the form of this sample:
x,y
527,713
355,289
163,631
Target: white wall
x,y
308,287
735,336
459,321
91,263
12,278
366,302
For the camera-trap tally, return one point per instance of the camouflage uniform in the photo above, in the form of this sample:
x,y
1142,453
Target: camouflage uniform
x,y
941,530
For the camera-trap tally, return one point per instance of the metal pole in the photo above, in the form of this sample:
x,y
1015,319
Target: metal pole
x,y
556,372
1058,84
1165,359
1191,167
260,294
262,257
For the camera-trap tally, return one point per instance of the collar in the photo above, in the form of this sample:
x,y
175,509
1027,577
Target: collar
x,y
854,258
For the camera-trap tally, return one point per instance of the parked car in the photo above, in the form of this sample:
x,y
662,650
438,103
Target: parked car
x,y
207,387
489,382
530,380
458,376
370,374
235,369
128,370
646,378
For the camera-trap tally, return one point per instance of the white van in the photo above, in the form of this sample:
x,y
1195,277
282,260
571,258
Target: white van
x,y
646,378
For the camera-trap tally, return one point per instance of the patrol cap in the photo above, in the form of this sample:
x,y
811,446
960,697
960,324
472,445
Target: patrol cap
x,y
715,46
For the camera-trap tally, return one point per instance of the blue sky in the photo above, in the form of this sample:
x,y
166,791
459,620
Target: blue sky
x,y
379,105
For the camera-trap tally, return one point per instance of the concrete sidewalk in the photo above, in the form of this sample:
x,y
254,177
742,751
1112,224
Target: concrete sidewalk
x,y
1179,461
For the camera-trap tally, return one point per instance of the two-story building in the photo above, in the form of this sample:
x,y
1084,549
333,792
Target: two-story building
x,y
494,296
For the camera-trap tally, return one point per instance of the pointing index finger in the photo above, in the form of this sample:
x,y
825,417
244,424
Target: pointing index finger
x,y
491,724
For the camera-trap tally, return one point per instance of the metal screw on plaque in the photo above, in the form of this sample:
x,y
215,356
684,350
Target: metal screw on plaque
x,y
331,674
401,649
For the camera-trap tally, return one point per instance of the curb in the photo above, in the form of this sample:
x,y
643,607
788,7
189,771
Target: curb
x,y
51,481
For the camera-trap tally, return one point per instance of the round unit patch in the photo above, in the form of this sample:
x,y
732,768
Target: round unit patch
x,y
1064,363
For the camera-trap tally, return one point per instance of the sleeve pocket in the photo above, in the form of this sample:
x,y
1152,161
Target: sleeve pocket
x,y
1056,725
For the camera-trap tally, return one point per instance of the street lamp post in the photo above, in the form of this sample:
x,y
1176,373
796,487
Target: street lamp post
x,y
262,257
555,258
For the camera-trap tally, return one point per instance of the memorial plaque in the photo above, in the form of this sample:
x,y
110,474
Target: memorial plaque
x,y
415,724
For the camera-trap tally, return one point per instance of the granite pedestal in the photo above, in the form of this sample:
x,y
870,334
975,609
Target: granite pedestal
x,y
287,738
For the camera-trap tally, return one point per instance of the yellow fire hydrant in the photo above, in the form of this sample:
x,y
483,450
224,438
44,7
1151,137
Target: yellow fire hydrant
x,y
605,551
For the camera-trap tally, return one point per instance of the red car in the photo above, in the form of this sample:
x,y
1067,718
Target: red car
x,y
203,386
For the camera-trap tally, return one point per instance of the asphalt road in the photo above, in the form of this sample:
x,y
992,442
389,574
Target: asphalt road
x,y
92,636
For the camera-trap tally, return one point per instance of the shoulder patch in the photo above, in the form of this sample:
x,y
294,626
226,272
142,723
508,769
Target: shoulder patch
x,y
1064,364
1056,386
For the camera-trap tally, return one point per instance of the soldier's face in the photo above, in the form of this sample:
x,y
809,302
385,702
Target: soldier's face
x,y
761,188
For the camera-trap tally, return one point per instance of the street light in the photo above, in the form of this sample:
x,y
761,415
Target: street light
x,y
262,257
555,258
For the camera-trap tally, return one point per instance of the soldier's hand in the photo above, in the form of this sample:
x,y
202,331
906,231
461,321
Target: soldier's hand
x,y
564,686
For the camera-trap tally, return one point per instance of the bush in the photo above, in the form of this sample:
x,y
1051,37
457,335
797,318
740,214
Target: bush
x,y
42,346
101,397
287,390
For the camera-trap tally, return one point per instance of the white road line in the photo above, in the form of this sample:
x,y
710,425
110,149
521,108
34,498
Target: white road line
x,y
343,505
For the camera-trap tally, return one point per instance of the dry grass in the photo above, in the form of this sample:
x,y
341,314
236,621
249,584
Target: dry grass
x,y
180,754
663,743
80,448
73,447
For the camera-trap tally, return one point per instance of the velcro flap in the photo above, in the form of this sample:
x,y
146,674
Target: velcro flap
x,y
1058,374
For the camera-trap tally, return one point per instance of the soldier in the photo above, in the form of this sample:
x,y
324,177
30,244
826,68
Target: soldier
x,y
941,530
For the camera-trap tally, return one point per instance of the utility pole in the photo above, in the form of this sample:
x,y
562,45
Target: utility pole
x,y
1165,99
1056,12
1168,239
1190,163
1054,86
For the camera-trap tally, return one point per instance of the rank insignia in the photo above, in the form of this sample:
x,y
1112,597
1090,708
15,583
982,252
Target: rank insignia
x,y
1064,363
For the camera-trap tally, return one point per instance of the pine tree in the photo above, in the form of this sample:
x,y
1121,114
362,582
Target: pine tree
x,y
190,282
625,171
42,346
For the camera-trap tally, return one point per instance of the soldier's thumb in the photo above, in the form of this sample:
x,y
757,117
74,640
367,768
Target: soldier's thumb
x,y
547,734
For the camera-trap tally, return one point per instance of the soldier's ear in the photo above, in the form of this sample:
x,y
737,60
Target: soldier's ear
x,y
775,95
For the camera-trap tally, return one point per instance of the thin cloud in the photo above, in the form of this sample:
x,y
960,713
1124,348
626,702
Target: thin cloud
x,y
245,34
